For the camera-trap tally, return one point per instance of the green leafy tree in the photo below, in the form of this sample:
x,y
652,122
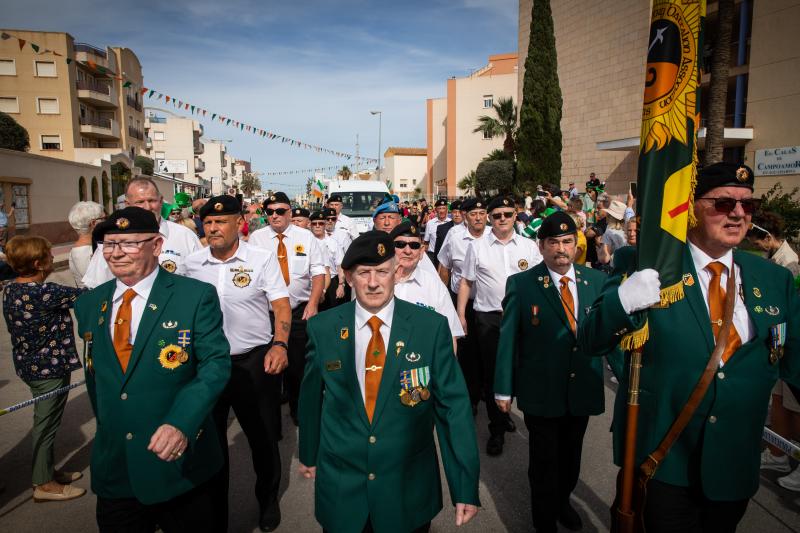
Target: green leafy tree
x,y
468,183
494,177
787,205
497,155
718,88
539,135
249,183
345,172
503,126
12,135
145,163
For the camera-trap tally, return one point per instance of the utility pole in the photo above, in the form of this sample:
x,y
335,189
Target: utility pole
x,y
380,129
357,154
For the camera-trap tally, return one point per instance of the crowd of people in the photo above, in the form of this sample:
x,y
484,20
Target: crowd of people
x,y
193,309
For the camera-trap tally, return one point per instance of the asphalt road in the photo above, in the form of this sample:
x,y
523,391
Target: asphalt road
x,y
504,490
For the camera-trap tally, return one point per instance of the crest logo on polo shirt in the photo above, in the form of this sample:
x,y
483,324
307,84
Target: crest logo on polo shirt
x,y
241,279
522,264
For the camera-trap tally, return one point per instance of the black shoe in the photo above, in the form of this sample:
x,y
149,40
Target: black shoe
x,y
511,427
569,518
495,445
270,517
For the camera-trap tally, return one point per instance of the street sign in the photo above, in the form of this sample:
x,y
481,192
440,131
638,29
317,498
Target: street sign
x,y
172,166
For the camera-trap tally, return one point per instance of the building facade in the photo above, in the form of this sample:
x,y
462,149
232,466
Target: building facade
x,y
601,69
176,150
215,171
405,169
453,149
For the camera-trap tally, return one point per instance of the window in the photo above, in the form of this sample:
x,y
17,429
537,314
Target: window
x,y
82,189
159,155
45,69
8,67
413,182
9,104
159,136
51,142
487,101
47,106
402,185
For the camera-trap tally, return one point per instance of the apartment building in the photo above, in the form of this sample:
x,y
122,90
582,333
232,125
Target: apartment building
x,y
601,70
216,169
81,110
175,147
404,169
453,150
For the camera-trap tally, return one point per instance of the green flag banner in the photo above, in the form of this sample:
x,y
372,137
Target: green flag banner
x,y
668,144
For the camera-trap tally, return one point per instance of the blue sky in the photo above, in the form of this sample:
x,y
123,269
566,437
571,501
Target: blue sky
x,y
307,69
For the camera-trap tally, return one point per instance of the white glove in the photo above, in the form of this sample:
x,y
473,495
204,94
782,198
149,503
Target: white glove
x,y
640,291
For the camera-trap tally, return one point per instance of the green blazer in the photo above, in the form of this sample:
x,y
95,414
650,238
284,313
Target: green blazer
x,y
387,470
130,407
719,450
543,364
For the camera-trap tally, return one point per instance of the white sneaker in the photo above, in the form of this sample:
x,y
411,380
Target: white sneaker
x,y
792,481
779,464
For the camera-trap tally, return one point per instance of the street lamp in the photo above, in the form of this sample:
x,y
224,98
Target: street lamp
x,y
380,128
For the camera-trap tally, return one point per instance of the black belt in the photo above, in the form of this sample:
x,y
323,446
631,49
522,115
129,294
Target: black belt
x,y
244,355
490,312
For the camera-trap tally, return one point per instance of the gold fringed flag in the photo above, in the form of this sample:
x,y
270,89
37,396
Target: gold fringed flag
x,y
668,145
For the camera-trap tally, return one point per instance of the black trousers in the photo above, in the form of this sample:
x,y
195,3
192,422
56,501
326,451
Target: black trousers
x,y
368,528
673,509
487,326
554,447
253,395
330,300
298,339
468,358
189,512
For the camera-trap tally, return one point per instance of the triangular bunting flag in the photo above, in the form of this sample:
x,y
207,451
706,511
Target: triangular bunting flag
x,y
21,43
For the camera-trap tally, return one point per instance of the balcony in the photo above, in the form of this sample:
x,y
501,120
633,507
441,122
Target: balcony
x,y
199,165
86,52
99,128
96,94
199,148
133,102
148,143
136,134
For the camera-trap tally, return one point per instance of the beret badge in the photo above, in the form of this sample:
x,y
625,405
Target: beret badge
x,y
218,206
563,227
123,223
742,175
381,250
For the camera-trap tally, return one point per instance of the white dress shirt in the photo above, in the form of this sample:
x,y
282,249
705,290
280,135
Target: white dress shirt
x,y
246,283
427,290
333,253
573,287
430,231
179,242
347,224
142,289
454,251
489,262
342,237
741,320
304,255
364,334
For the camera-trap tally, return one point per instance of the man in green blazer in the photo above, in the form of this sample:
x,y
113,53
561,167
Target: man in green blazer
x,y
557,383
712,470
156,360
380,375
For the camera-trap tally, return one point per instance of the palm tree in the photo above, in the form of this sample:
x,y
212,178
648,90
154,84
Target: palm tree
x,y
468,183
718,89
503,126
345,172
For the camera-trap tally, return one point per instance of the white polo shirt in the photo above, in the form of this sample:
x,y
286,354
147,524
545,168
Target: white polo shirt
x,y
427,290
342,237
489,262
303,254
430,231
453,252
346,223
333,253
179,242
246,283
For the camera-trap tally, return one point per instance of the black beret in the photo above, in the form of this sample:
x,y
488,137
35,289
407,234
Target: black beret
x,y
500,201
317,215
277,198
221,205
128,220
370,249
557,225
300,212
328,212
723,175
472,203
335,198
404,229
455,205
440,202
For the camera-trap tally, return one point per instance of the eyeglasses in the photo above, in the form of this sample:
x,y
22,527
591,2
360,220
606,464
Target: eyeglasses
x,y
129,247
318,223
503,214
402,244
330,219
725,205
280,211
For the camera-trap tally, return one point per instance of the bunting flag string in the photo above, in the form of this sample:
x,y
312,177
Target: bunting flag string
x,y
194,109
303,171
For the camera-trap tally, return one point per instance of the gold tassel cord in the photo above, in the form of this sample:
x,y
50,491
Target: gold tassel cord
x,y
637,339
671,294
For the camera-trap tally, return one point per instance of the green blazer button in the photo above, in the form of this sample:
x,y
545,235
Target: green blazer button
x,y
372,439
123,396
129,436
371,476
712,419
721,375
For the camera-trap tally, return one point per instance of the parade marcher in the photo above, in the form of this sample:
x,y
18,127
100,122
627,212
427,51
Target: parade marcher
x,y
385,218
178,241
335,292
301,217
705,481
343,221
456,219
487,265
83,217
340,235
417,286
156,360
539,360
249,284
380,374
43,349
440,208
303,269
451,264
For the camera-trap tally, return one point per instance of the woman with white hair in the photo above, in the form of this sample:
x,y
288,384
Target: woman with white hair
x,y
83,217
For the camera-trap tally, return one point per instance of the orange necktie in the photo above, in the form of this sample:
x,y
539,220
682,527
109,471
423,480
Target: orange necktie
x,y
282,258
122,330
376,357
568,303
716,306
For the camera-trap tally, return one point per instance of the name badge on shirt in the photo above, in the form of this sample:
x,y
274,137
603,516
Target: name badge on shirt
x,y
330,366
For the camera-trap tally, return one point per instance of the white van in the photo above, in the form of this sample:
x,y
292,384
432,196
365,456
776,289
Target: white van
x,y
359,199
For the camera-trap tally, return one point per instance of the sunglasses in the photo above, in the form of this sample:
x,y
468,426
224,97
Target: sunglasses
x,y
331,219
725,205
280,211
402,244
503,214
318,223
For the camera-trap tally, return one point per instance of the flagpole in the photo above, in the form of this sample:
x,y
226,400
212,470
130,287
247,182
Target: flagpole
x,y
625,515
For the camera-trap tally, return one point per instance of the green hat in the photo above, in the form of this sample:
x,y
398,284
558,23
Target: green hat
x,y
182,200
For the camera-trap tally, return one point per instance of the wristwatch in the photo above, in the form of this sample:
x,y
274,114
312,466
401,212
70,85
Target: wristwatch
x,y
281,344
